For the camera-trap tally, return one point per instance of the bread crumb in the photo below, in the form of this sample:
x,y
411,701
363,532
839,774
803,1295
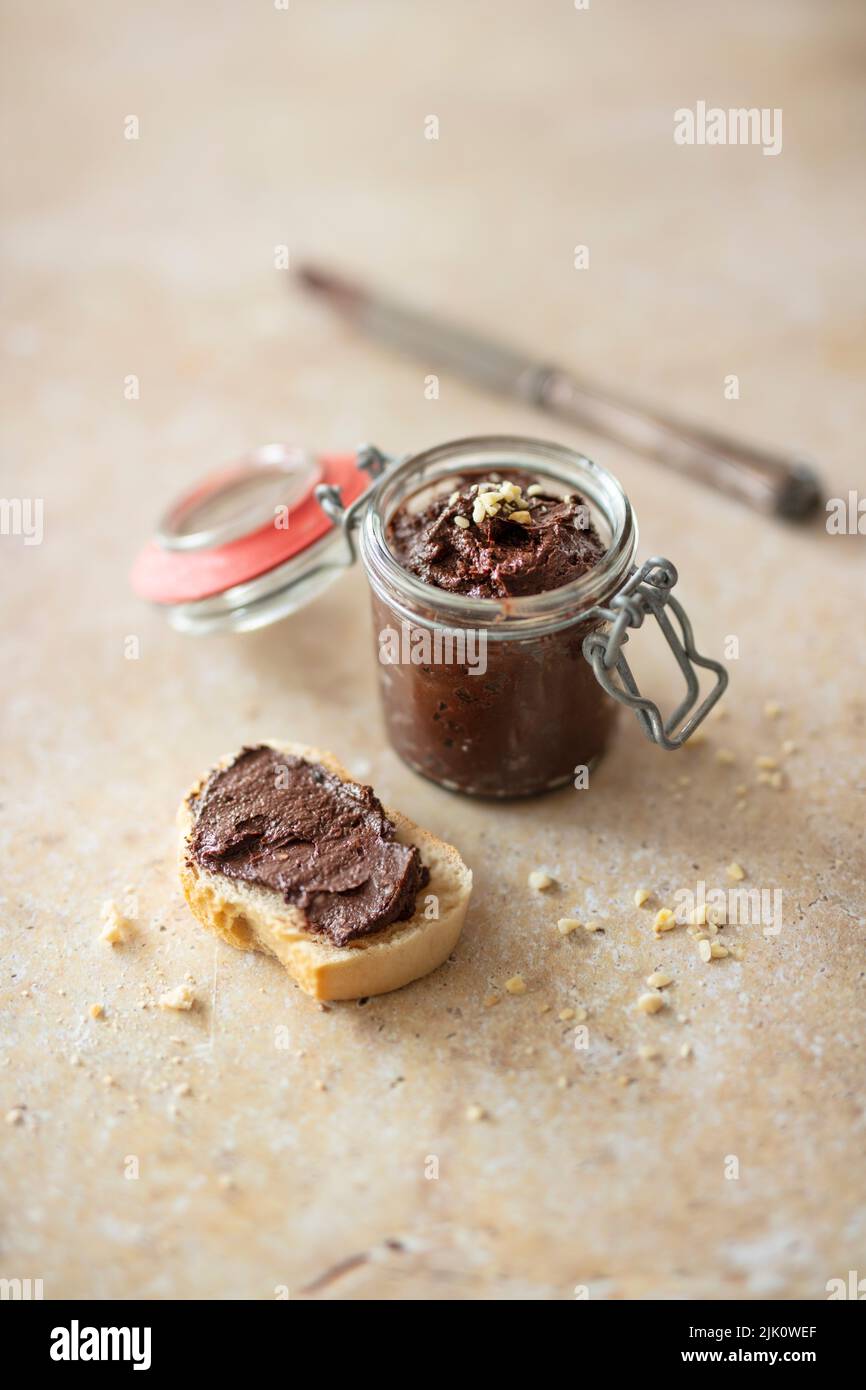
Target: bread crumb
x,y
664,920
641,896
96,1011
516,985
566,925
650,1003
736,872
658,979
182,997
474,1113
540,880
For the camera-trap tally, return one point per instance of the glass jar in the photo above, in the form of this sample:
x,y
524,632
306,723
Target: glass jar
x,y
522,712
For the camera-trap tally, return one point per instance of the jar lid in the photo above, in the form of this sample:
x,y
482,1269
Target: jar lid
x,y
249,543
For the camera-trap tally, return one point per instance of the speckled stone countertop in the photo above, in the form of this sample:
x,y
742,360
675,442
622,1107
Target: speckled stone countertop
x,y
259,1145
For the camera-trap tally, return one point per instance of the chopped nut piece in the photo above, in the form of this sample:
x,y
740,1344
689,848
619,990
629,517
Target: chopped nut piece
x,y
642,895
562,1082
767,763
658,979
462,521
479,511
725,757
592,926
540,880
664,920
650,1003
649,1052
686,1050
741,789
114,925
516,985
534,490
772,710
474,1113
789,747
180,998
736,872
96,1011
566,925
455,497
717,950
15,1116
491,1000
705,950
565,1014
523,518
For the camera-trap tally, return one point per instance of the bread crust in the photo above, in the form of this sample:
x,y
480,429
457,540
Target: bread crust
x,y
253,918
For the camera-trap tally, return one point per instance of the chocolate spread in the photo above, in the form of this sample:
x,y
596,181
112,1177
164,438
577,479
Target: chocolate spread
x,y
325,845
536,715
497,557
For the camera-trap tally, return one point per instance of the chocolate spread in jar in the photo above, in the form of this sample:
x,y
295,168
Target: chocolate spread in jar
x,y
536,714
552,543
325,845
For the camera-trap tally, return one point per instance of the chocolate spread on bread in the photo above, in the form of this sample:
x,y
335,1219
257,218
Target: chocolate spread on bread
x,y
325,845
497,557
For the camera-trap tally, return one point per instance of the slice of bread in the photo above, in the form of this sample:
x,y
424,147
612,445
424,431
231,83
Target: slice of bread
x,y
253,918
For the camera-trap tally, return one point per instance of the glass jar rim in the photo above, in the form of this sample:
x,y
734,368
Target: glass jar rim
x,y
521,615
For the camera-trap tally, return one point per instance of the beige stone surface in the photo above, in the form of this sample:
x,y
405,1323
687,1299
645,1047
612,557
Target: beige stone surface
x,y
278,1146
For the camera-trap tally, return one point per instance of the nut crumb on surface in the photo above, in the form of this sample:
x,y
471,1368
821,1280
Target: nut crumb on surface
x,y
664,920
15,1116
516,985
181,998
736,872
566,925
725,757
592,926
772,709
540,880
686,1049
658,979
649,1052
650,1003
96,1011
115,925
565,1014
641,896
474,1113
